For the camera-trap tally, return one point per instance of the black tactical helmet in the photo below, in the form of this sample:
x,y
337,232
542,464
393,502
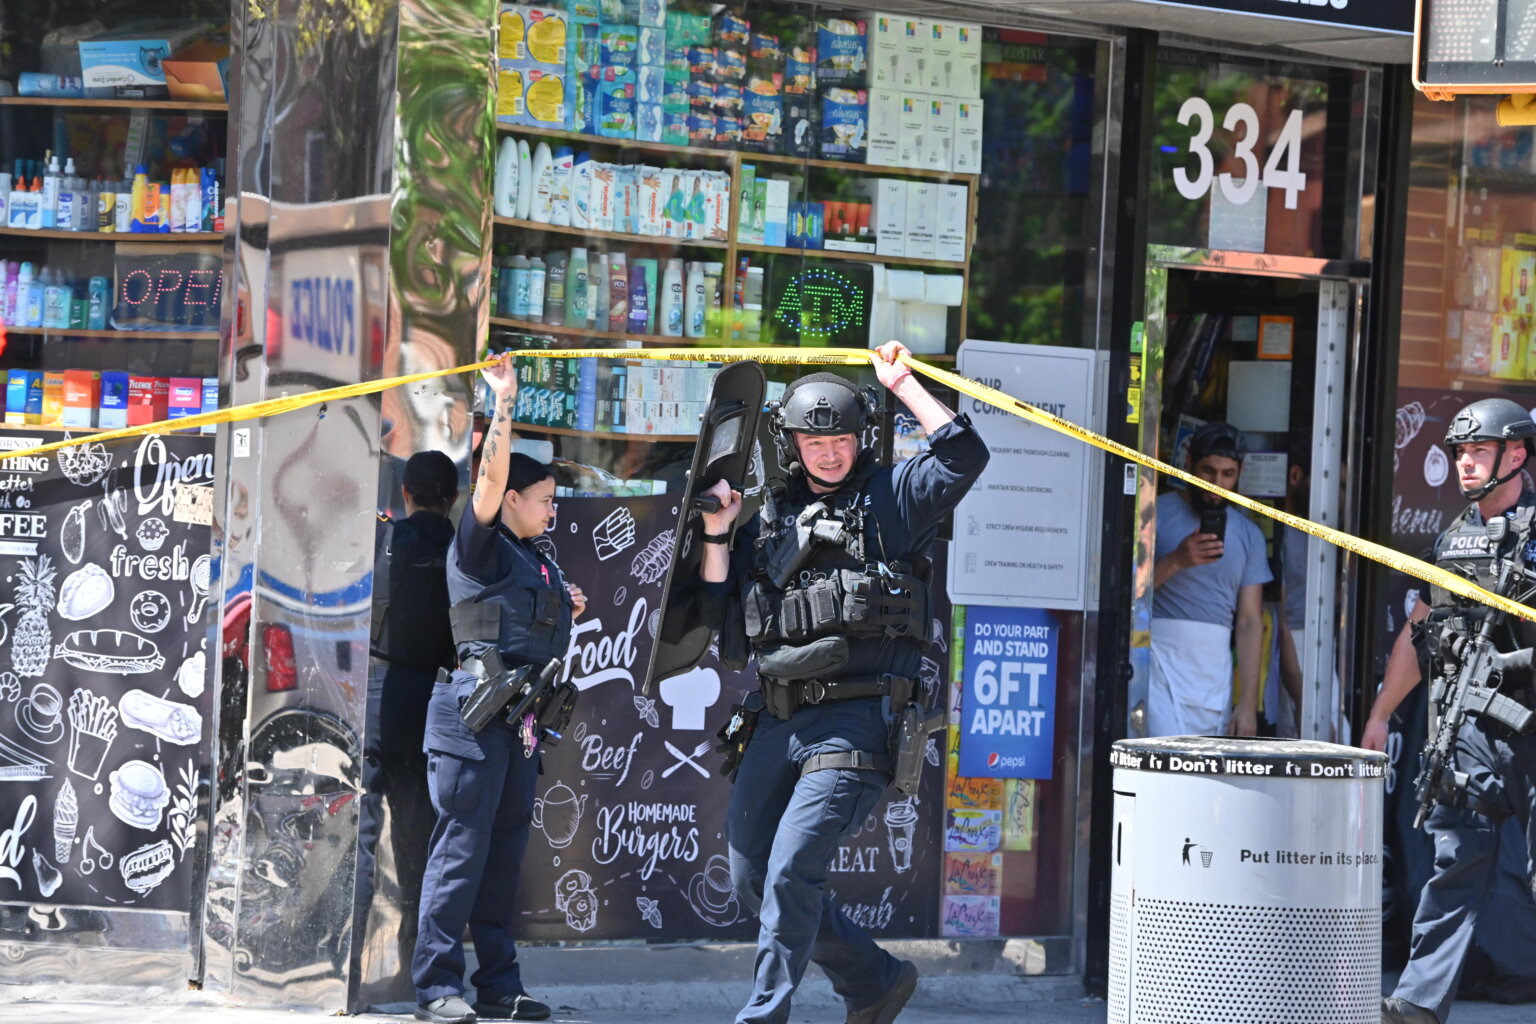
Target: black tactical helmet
x,y
823,404
1490,419
1220,439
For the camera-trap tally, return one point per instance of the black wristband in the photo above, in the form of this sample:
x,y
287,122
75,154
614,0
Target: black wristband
x,y
717,538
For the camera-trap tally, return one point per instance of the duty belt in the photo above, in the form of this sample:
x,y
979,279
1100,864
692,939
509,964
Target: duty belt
x,y
857,760
819,691
477,668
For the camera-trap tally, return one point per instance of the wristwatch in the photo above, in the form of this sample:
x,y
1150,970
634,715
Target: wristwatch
x,y
717,538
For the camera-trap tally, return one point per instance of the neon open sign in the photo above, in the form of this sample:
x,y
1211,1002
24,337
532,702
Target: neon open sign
x,y
168,292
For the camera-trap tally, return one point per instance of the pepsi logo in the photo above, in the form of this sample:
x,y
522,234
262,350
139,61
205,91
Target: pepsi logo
x,y
992,759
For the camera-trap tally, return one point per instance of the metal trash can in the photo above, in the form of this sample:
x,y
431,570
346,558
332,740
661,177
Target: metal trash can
x,y
1246,886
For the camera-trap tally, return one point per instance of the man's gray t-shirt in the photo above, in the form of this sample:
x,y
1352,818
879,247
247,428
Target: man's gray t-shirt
x,y
1207,593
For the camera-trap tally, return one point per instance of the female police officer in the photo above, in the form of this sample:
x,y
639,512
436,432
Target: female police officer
x,y
482,783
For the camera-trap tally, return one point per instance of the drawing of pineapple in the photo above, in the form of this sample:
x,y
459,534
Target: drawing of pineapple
x,y
32,640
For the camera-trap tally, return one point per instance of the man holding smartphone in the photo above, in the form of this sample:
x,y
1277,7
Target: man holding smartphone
x,y
1208,578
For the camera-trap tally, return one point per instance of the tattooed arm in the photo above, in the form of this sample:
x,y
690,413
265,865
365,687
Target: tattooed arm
x,y
491,484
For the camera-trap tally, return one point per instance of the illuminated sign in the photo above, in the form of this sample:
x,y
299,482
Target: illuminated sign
x,y
167,291
820,304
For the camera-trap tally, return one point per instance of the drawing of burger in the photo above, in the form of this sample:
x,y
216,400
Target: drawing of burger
x,y
138,794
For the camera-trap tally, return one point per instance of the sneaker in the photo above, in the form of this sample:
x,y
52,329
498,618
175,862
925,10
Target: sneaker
x,y
1400,1011
518,1007
890,1004
447,1010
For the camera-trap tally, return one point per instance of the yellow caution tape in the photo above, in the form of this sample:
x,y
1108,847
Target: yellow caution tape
x,y
828,357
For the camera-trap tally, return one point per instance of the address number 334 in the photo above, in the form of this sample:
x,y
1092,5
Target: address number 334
x,y
1282,169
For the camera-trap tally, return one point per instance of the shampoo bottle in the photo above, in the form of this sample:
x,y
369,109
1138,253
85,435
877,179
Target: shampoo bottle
x,y
554,287
576,288
524,179
618,294
581,191
98,296
537,274
639,299
671,322
598,288
693,301
543,184
506,178
519,287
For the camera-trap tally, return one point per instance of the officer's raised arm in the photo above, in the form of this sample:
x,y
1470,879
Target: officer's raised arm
x,y
896,377
491,484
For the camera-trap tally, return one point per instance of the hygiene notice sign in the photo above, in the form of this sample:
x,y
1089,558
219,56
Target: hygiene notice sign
x,y
1008,708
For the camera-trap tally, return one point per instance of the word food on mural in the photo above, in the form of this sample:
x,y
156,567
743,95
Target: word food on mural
x,y
1282,169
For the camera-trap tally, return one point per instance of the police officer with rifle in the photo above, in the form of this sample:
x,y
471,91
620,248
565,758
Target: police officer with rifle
x,y
511,616
828,587
1479,764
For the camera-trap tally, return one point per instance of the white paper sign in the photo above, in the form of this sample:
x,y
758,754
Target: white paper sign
x,y
1021,534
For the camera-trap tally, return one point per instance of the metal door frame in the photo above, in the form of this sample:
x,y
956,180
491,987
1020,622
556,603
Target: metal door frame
x,y
1342,286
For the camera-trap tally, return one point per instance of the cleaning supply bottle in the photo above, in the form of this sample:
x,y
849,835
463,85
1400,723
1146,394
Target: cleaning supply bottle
x,y
576,288
693,301
671,320
560,191
537,274
505,187
51,193
524,179
543,184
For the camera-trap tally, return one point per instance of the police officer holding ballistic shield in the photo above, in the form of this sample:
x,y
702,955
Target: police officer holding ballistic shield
x,y
512,612
830,582
1491,772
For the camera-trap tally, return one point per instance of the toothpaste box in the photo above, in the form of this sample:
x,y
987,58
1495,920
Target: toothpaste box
x,y
841,57
843,115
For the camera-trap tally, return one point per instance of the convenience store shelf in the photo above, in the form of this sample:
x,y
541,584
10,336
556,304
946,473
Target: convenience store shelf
x,y
635,144
848,165
857,257
32,428
166,238
89,104
686,243
75,332
602,435
530,327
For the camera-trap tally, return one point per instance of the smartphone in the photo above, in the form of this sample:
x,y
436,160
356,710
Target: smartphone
x,y
1214,520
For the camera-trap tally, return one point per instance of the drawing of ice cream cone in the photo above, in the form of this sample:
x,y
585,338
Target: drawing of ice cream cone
x,y
66,817
92,728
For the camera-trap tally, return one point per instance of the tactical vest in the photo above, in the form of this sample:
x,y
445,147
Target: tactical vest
x,y
410,593
847,589
526,615
1466,550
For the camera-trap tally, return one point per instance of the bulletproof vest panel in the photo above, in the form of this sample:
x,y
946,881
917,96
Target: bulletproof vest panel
x,y
534,610
1466,550
416,631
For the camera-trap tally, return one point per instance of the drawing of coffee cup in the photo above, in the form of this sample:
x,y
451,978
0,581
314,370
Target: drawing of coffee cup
x,y
901,820
711,894
40,715
558,814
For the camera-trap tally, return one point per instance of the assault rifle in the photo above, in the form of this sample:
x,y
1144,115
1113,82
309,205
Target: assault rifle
x,y
1474,660
813,526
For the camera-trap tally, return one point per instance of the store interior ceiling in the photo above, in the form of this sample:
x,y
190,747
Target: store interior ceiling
x,y
1205,23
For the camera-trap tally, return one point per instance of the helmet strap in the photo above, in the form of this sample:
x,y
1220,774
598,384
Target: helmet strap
x,y
1479,493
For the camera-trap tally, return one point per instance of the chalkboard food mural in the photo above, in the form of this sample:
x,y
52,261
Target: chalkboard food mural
x,y
104,749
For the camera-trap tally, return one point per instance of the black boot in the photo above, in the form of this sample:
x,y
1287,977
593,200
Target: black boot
x,y
890,1004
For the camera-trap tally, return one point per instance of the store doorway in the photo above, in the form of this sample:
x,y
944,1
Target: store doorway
x,y
1234,341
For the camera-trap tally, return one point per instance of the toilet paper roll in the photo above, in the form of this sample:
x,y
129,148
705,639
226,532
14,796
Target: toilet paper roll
x,y
943,289
905,285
